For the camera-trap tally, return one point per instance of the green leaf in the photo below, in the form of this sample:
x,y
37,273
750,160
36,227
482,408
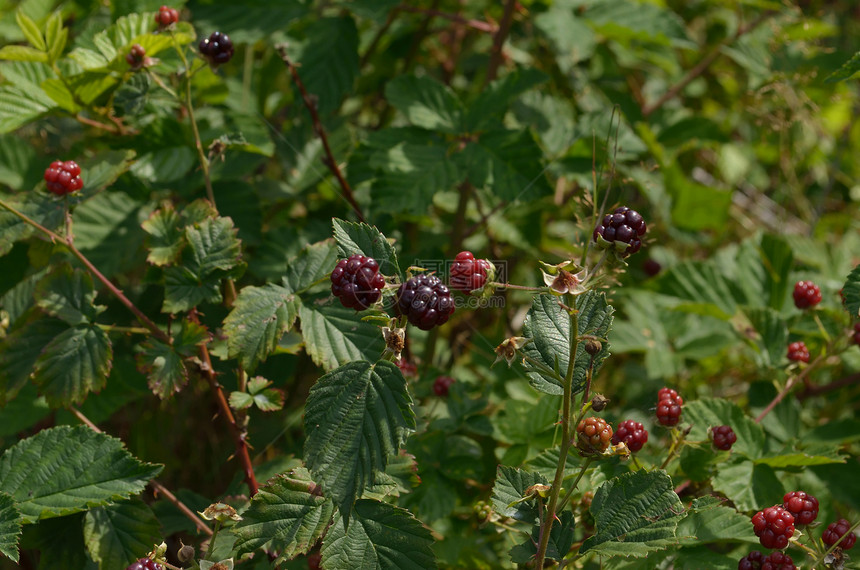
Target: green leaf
x,y
851,292
777,259
424,169
31,30
260,317
696,207
702,285
749,486
117,535
107,223
548,326
288,515
818,454
18,160
635,513
624,21
771,338
705,413
53,29
510,488
167,237
68,294
510,162
708,521
104,169
560,541
426,103
65,470
848,69
356,417
22,53
60,94
328,60
10,527
20,350
75,363
59,542
334,336
380,537
164,365
352,237
19,106
313,263
489,108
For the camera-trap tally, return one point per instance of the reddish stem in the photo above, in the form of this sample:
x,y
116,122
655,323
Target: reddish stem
x,y
499,38
479,25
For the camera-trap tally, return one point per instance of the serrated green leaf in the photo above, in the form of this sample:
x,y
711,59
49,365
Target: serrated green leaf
x,y
64,470
489,108
424,169
507,161
771,338
19,106
702,285
164,365
705,413
241,400
68,294
749,486
260,317
60,94
380,537
250,21
117,535
708,521
18,160
312,264
848,69
167,237
103,169
31,30
334,336
851,292
624,21
352,237
817,454
20,350
778,260
328,60
288,515
356,417
22,53
548,325
108,223
10,527
509,490
426,103
52,29
560,541
75,363
634,514
58,45
132,96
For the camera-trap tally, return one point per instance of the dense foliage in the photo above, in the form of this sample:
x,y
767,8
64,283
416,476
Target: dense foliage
x,y
370,284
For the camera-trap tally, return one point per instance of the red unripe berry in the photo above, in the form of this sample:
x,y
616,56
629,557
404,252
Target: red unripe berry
x,y
723,437
441,385
778,561
773,526
803,506
166,16
632,433
136,56
806,294
468,273
593,435
669,393
797,352
669,407
62,178
839,530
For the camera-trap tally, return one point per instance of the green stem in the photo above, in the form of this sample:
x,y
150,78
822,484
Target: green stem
x,y
211,546
821,328
122,330
678,438
570,491
497,285
821,558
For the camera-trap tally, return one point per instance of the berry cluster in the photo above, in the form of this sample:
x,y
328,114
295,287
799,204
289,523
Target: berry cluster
x,y
441,385
356,281
802,506
63,177
217,48
425,301
773,526
166,16
669,407
468,273
624,226
632,433
144,564
136,56
723,437
593,435
755,560
839,530
806,294
797,352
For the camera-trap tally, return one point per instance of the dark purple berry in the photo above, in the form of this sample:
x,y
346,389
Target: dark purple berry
x,y
751,561
136,56
425,301
217,48
144,564
723,437
624,226
468,273
669,407
356,281
773,526
632,433
839,530
803,506
778,561
806,294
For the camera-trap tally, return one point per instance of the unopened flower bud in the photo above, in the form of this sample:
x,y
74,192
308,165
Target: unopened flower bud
x,y
598,402
593,347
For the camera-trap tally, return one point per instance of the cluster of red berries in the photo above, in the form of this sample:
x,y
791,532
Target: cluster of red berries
x,y
669,407
217,48
723,437
441,385
63,177
632,433
356,281
624,226
838,532
806,294
425,301
593,435
755,560
166,16
468,273
773,526
797,352
136,56
144,564
801,505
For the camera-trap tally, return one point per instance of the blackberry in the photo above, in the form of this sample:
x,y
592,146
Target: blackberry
x,y
356,281
593,435
632,433
425,301
751,561
144,564
839,530
166,16
623,226
669,407
136,56
806,294
723,437
63,177
441,385
217,48
778,561
651,267
773,526
797,352
468,273
803,506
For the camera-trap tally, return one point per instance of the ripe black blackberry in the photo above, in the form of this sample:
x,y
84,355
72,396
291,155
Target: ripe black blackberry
x,y
468,273
669,407
63,177
356,281
166,16
806,294
751,561
773,526
797,352
839,530
803,506
723,437
442,385
593,435
425,301
144,564
624,226
632,433
217,48
778,561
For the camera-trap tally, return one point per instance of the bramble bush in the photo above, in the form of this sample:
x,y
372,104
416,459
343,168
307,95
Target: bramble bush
x,y
434,284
